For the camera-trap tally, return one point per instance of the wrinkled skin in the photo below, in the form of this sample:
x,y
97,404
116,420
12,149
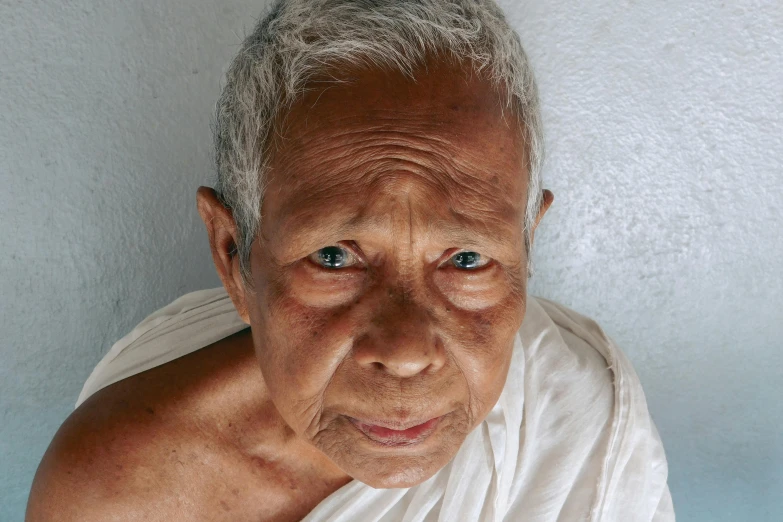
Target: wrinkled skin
x,y
402,176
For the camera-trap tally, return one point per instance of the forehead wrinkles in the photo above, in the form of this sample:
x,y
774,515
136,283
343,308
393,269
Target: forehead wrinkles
x,y
444,138
337,162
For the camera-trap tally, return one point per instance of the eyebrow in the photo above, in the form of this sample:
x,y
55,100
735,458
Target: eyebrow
x,y
472,234
463,235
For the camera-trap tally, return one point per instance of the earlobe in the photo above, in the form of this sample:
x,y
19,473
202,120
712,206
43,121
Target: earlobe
x,y
222,232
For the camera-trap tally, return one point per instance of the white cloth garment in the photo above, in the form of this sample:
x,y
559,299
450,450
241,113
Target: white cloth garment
x,y
570,438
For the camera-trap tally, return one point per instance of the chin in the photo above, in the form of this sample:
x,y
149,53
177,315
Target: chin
x,y
400,471
396,478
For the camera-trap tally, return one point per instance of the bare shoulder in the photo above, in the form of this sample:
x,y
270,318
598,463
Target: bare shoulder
x,y
156,445
93,463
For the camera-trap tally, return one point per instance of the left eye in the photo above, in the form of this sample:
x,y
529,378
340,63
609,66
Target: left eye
x,y
468,260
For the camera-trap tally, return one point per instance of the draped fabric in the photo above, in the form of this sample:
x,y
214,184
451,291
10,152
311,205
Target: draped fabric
x,y
569,439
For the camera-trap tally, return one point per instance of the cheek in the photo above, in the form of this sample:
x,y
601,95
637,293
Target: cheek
x,y
318,288
485,378
300,351
480,291
483,343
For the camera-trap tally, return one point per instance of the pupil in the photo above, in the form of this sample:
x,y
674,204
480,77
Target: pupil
x,y
467,259
331,257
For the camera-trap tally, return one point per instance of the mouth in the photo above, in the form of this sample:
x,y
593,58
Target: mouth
x,y
382,432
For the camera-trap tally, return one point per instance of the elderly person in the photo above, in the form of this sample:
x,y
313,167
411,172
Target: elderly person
x,y
373,354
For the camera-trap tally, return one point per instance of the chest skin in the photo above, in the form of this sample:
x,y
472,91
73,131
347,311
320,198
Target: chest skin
x,y
196,439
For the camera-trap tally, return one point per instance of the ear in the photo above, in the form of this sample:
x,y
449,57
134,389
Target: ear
x,y
546,201
222,232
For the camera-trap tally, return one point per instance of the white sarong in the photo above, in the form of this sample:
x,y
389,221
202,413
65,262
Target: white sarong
x,y
570,438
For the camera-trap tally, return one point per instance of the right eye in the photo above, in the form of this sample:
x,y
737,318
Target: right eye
x,y
333,257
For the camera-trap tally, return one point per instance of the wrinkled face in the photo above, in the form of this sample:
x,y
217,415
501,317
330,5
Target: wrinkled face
x,y
390,271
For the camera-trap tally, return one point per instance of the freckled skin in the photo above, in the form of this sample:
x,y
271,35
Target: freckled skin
x,y
402,175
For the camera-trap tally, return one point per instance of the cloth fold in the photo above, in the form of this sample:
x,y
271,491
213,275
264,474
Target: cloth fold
x,y
569,439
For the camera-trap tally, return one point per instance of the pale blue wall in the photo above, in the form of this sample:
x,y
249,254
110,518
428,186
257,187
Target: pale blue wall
x,y
665,153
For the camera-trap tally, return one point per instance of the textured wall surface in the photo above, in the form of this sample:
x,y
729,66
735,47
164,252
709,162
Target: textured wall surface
x,y
665,143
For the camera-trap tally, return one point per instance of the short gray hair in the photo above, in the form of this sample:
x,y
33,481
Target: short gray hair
x,y
301,39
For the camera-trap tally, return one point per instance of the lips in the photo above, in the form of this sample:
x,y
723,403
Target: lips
x,y
392,437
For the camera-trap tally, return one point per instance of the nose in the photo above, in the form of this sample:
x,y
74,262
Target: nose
x,y
401,339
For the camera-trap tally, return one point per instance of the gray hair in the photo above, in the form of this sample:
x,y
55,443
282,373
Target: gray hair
x,y
300,40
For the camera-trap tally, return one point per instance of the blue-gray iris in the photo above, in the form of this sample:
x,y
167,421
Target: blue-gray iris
x,y
467,259
331,257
